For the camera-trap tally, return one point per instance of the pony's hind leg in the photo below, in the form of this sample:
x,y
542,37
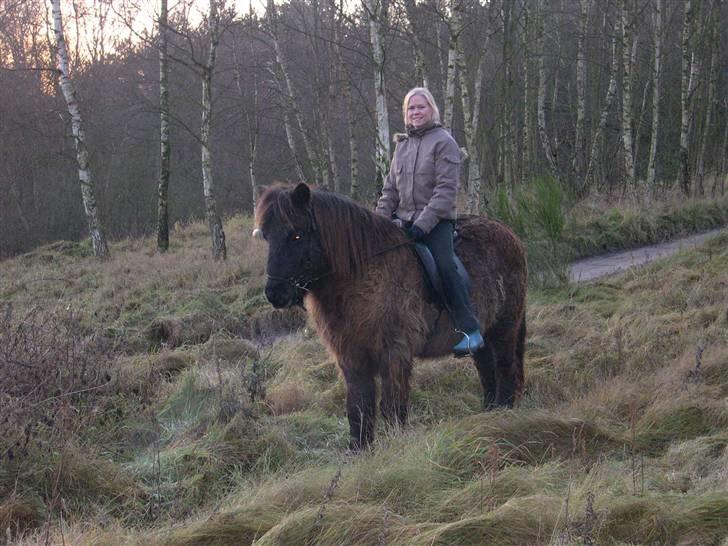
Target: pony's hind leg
x,y
360,407
395,392
485,363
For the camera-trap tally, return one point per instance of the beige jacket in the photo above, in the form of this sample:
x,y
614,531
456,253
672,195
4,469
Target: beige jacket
x,y
423,179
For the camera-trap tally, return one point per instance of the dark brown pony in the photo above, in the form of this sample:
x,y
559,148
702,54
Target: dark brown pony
x,y
361,283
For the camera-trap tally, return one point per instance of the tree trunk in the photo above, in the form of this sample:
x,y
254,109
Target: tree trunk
x,y
96,232
527,96
165,148
251,115
577,164
346,92
377,14
708,126
285,84
420,68
454,26
640,123
722,174
219,250
542,130
508,124
595,155
471,114
656,76
627,32
288,125
325,98
685,92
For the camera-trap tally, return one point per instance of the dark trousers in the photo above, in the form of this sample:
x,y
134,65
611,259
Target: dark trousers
x,y
439,241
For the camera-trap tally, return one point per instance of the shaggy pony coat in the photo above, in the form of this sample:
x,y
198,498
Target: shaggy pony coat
x,y
371,306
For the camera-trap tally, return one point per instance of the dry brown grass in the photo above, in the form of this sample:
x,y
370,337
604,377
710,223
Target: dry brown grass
x,y
622,436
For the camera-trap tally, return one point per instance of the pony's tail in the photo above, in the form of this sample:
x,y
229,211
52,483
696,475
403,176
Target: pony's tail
x,y
520,351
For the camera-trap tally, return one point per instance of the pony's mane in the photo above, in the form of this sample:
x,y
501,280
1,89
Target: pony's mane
x,y
350,234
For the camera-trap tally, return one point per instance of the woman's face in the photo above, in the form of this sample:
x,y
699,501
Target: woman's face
x,y
419,112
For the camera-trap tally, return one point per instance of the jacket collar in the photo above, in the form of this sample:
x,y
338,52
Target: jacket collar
x,y
420,131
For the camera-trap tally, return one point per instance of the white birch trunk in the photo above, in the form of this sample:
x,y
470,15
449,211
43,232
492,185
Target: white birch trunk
x,y
595,156
527,97
164,142
722,175
454,26
542,130
508,125
291,96
377,13
708,125
471,114
420,68
656,76
577,164
331,153
288,125
350,119
214,222
685,182
627,136
251,115
96,232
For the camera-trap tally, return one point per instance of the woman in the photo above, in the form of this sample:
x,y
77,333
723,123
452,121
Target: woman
x,y
419,195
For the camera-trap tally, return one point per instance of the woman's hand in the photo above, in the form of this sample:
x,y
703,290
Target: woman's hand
x,y
415,233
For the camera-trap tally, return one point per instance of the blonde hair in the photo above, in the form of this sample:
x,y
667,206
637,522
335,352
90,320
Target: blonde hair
x,y
424,93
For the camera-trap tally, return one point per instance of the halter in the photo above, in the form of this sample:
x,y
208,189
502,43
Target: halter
x,y
303,281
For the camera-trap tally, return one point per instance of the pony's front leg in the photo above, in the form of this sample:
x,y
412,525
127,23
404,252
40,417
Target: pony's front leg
x,y
360,407
395,391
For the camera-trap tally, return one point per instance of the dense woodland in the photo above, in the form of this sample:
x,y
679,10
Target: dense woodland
x,y
606,96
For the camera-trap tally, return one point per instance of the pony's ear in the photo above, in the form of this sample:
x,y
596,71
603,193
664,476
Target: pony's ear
x,y
301,196
259,190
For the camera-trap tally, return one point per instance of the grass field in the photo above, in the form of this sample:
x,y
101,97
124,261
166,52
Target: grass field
x,y
159,400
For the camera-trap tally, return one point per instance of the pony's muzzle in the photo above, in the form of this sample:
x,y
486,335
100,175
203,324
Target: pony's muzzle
x,y
282,294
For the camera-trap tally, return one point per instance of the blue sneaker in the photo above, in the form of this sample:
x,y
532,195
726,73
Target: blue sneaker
x,y
471,342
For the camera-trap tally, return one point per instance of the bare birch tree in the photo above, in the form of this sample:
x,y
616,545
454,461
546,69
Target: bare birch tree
x,y
454,26
417,47
93,219
541,102
711,99
471,116
656,77
219,249
376,11
721,176
685,93
345,77
252,116
626,35
290,96
577,164
164,142
595,155
507,124
527,148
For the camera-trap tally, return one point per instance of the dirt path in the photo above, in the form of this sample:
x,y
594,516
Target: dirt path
x,y
600,266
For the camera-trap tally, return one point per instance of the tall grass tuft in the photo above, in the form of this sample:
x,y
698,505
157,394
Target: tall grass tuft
x,y
536,213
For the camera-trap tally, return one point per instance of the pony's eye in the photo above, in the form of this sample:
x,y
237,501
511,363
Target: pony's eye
x,y
297,236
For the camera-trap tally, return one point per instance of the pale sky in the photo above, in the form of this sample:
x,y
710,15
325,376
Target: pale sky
x,y
102,22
